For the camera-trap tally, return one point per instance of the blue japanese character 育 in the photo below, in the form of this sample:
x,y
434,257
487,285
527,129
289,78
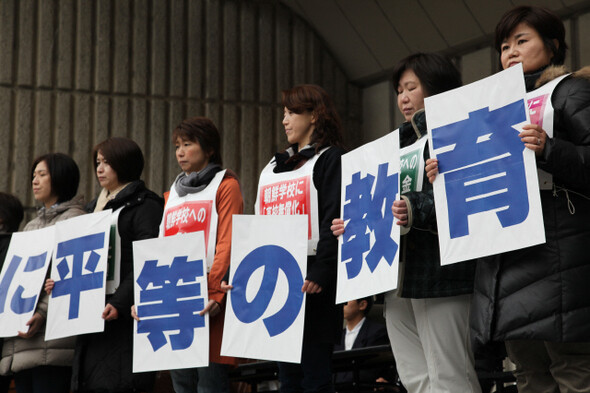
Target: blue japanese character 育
x,y
169,305
484,170
273,259
369,212
79,281
18,304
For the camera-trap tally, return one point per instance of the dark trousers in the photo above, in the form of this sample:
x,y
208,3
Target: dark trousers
x,y
549,367
313,375
5,383
43,379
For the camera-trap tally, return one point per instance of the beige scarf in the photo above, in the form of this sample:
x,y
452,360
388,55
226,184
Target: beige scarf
x,y
105,196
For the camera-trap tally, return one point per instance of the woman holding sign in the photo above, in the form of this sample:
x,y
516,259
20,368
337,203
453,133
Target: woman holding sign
x,y
428,315
103,361
537,299
213,194
41,366
313,130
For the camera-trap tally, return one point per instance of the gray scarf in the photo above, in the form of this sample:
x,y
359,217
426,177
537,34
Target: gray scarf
x,y
195,181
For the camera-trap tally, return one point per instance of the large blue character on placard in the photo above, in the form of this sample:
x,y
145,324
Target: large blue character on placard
x,y
79,281
19,304
166,306
485,169
273,259
369,212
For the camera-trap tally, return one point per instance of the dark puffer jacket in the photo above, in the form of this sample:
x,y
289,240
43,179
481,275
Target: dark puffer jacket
x,y
103,361
542,292
421,274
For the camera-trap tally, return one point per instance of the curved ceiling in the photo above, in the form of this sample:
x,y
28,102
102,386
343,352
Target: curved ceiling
x,y
369,36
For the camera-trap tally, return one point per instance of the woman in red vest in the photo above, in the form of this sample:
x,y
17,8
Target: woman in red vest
x,y
214,195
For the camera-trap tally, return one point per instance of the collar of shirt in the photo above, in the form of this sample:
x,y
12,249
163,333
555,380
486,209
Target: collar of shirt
x,y
352,334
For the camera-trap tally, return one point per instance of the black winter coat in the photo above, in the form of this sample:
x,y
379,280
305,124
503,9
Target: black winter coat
x,y
421,274
103,361
4,243
542,292
323,318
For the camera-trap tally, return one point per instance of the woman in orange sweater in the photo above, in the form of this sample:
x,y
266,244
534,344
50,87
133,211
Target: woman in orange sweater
x,y
214,195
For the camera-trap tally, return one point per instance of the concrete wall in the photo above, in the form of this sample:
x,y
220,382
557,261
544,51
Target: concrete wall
x,y
378,101
74,72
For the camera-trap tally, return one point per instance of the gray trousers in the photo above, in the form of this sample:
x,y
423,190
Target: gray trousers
x,y
430,343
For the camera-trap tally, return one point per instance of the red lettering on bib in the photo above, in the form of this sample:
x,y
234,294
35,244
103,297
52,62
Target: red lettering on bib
x,y
289,197
188,217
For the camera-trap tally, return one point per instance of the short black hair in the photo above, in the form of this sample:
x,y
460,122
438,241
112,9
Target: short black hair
x,y
369,301
123,155
64,172
545,22
11,212
203,131
436,72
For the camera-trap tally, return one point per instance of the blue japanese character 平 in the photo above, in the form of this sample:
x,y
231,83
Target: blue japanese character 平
x,y
169,301
369,213
78,269
483,166
75,281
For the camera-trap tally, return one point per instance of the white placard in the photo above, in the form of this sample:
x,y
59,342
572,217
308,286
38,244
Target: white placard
x,y
170,287
22,278
368,257
486,194
266,308
79,271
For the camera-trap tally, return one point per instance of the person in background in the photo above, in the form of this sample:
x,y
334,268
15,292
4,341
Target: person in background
x,y
11,215
41,366
361,332
537,299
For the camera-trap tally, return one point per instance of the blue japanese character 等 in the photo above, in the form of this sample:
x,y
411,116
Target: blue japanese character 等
x,y
369,213
169,305
485,168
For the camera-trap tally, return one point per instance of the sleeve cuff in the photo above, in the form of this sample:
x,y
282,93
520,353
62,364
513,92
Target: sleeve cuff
x,y
406,228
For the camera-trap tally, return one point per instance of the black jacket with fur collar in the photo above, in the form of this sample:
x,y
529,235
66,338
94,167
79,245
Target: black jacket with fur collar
x,y
541,292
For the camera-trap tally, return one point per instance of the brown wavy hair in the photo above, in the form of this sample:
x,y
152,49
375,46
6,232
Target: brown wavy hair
x,y
314,99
